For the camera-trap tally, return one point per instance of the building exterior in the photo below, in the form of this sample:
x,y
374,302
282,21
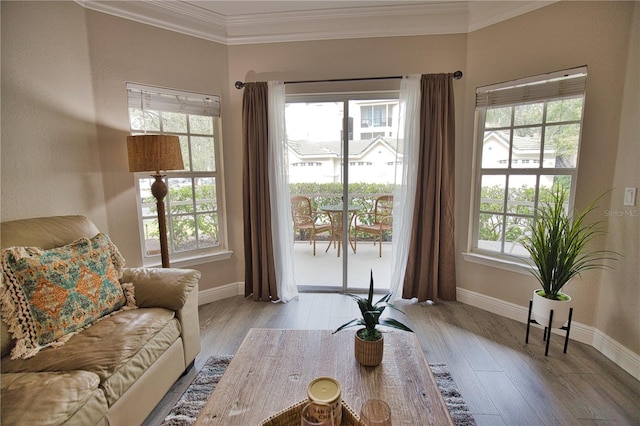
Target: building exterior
x,y
315,136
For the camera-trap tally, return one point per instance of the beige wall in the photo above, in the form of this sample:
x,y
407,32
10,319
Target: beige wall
x,y
125,51
334,59
50,161
595,34
63,66
64,115
618,312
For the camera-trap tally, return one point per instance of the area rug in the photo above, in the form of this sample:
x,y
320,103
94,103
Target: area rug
x,y
455,402
194,398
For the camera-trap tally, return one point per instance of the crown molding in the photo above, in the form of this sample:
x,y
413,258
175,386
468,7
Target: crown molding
x,y
346,23
350,13
428,18
484,14
180,17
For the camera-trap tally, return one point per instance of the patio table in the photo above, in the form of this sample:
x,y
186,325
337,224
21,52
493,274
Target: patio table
x,y
335,215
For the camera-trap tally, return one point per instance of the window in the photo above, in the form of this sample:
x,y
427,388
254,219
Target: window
x,y
194,204
372,135
376,116
527,143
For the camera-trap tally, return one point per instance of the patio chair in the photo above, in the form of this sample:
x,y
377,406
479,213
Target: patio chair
x,y
375,222
305,219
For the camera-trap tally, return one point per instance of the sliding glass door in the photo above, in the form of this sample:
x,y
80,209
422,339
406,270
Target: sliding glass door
x,y
343,156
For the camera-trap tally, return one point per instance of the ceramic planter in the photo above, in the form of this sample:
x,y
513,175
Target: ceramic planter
x,y
542,307
368,353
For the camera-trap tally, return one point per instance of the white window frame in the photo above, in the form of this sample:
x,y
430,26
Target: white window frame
x,y
549,87
150,98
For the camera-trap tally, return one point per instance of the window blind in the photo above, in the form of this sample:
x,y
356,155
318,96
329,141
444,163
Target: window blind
x,y
556,85
169,100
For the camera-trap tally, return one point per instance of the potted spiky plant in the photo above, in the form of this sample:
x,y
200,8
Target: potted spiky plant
x,y
369,341
557,243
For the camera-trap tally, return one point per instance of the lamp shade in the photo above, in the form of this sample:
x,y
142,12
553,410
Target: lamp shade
x,y
154,153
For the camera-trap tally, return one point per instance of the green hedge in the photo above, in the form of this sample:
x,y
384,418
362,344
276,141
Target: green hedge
x,y
363,196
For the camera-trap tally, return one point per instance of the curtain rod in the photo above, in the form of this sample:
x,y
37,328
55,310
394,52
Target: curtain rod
x,y
239,84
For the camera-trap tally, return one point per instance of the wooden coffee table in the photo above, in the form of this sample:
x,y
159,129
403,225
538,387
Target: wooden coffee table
x,y
272,369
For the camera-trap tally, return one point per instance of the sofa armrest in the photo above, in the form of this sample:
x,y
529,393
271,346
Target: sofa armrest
x,y
174,289
190,323
161,288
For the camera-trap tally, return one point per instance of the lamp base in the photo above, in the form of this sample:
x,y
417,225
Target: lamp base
x,y
159,191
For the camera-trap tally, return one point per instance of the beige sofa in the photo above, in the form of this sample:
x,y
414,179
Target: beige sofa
x,y
116,370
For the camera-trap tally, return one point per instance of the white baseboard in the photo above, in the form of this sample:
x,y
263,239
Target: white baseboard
x,y
219,293
619,354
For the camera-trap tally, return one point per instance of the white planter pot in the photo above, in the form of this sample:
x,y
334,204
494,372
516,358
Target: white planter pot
x,y
542,307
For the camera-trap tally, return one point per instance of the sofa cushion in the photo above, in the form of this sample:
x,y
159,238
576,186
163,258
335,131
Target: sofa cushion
x,y
46,232
52,398
119,349
48,295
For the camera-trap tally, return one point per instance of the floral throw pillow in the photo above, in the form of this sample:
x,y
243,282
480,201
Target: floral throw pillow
x,y
49,295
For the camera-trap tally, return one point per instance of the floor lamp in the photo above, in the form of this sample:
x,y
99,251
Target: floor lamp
x,y
156,153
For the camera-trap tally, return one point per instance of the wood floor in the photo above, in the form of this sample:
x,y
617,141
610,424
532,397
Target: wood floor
x,y
503,380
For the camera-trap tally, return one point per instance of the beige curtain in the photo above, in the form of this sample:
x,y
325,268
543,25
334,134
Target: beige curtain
x,y
430,273
260,274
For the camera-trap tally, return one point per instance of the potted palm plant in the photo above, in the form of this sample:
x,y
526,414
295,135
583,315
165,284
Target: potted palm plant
x,y
557,243
369,342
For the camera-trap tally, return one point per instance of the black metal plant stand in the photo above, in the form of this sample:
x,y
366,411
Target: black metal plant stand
x,y
547,329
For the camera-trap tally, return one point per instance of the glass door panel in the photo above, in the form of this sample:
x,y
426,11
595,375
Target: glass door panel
x,y
314,133
327,152
372,168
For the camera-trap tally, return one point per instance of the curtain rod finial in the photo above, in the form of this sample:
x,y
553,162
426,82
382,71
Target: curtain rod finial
x,y
239,85
457,75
